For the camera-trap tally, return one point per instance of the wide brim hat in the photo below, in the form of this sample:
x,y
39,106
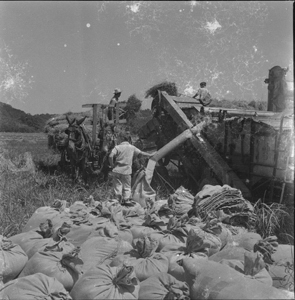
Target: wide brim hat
x,y
117,91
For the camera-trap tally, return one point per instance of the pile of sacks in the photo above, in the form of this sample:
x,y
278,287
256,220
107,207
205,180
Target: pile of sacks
x,y
171,249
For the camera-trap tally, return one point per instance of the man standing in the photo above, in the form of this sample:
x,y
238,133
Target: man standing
x,y
120,159
203,95
113,102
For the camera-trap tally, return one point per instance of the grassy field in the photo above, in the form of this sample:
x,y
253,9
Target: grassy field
x,y
21,193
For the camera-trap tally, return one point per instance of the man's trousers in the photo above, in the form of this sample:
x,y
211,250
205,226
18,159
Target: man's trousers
x,y
122,185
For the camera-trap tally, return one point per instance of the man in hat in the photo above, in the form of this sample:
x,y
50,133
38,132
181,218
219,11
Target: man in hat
x,y
203,95
121,159
113,102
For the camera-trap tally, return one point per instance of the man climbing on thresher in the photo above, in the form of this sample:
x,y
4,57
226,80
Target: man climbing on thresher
x,y
121,159
203,95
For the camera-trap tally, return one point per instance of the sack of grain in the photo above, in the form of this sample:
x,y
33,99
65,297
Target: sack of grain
x,y
267,247
56,262
203,241
105,282
82,224
57,237
141,189
211,280
98,250
194,248
176,233
62,243
135,220
79,233
132,209
282,269
283,252
139,231
163,286
175,262
225,235
246,240
229,252
181,201
152,218
144,259
253,266
34,238
12,259
194,222
56,213
113,229
37,286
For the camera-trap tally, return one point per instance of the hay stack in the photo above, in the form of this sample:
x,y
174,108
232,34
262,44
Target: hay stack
x,y
169,87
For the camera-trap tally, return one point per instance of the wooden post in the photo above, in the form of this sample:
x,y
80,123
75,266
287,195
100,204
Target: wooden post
x,y
252,150
94,124
276,156
94,115
269,93
116,120
226,125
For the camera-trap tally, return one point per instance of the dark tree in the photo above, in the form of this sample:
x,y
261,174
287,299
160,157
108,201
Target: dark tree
x,y
132,107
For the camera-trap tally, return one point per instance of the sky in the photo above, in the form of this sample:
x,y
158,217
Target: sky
x,y
56,56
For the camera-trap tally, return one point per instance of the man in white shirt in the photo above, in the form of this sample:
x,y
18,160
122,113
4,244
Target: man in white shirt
x,y
120,159
203,95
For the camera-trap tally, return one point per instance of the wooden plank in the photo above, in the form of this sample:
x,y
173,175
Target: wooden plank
x,y
121,104
120,122
174,111
219,166
270,118
91,104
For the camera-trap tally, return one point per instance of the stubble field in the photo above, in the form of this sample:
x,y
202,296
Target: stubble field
x,y
22,192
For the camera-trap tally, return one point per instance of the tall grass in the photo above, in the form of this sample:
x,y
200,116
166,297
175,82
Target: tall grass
x,y
274,219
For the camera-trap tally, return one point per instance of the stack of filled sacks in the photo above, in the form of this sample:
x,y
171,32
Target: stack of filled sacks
x,y
55,127
170,249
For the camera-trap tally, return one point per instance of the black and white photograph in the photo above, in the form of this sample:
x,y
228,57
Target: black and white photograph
x,y
146,150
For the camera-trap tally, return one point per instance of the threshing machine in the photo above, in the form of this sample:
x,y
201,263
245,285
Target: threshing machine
x,y
250,150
